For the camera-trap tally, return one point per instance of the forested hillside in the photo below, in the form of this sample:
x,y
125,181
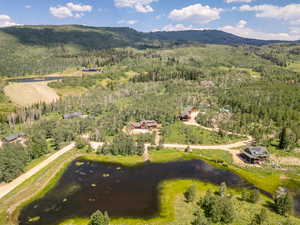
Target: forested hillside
x,y
34,50
207,37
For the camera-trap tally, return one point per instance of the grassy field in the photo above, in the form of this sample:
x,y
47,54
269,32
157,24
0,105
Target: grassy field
x,y
294,67
25,94
70,91
185,134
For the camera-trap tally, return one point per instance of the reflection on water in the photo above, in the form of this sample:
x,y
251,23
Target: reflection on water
x,y
128,192
36,79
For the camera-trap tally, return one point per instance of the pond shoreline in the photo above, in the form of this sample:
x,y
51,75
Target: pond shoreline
x,y
122,161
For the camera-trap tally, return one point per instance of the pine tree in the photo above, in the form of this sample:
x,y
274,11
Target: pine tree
x,y
228,213
200,220
283,202
190,194
261,218
254,196
223,189
99,218
287,139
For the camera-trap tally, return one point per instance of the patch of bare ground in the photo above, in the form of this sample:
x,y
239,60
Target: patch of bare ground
x,y
291,161
25,94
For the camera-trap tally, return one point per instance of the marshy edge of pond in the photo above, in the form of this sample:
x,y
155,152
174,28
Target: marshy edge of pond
x,y
166,211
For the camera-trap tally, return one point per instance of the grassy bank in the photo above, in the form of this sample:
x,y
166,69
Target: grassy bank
x,y
263,178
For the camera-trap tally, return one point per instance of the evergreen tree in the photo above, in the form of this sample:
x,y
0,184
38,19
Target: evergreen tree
x,y
99,218
254,196
200,220
261,218
228,213
283,202
245,194
223,189
190,194
217,209
287,222
287,139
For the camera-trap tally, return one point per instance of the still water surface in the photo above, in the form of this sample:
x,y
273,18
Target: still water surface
x,y
124,192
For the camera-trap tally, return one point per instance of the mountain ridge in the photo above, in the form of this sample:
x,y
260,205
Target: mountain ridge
x,y
200,36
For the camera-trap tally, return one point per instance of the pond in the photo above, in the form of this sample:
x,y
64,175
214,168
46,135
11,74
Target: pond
x,y
35,79
87,186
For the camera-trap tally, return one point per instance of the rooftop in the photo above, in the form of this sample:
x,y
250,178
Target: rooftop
x,y
256,152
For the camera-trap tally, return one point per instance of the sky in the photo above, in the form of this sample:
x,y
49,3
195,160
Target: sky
x,y
261,19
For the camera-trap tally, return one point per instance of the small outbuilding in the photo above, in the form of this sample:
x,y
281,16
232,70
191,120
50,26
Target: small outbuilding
x,y
186,114
74,115
255,154
13,137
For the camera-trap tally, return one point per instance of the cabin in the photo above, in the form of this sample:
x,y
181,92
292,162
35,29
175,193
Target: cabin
x,y
74,115
13,137
91,70
255,154
186,114
144,124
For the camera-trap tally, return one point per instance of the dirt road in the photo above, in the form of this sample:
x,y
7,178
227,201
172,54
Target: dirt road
x,y
6,188
227,146
25,94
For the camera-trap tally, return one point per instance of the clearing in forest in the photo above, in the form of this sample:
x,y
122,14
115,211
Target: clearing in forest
x,y
25,94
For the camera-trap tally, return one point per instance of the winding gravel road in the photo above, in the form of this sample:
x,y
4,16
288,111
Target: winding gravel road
x,y
6,188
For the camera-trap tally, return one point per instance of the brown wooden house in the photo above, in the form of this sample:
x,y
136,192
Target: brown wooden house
x,y
255,154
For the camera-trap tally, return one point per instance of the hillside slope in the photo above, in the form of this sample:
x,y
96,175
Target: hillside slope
x,y
27,50
207,37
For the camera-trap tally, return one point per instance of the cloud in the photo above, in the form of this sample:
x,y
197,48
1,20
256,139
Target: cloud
x,y
128,22
197,13
142,6
70,10
28,6
234,1
289,13
242,30
6,21
178,27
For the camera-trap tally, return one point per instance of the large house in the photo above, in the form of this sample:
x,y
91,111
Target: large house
x,y
255,154
13,137
144,124
186,114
